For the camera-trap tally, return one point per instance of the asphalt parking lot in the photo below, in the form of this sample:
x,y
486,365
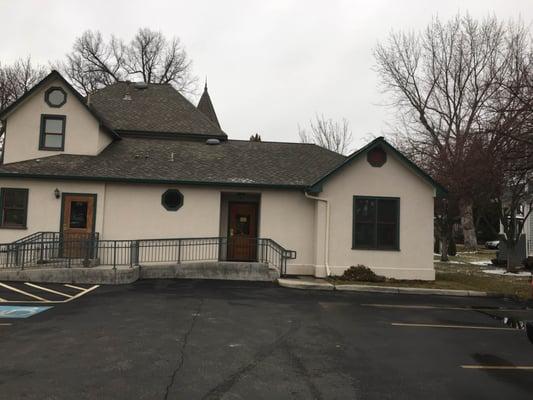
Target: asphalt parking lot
x,y
237,340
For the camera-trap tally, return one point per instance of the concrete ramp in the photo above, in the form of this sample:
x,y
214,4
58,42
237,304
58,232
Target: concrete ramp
x,y
223,270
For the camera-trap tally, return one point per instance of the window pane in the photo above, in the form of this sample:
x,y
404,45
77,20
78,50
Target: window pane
x,y
56,97
14,217
364,235
14,198
388,210
387,236
78,214
53,141
53,125
365,210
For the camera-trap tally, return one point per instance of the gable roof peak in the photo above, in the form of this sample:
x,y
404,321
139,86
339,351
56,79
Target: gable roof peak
x,y
206,106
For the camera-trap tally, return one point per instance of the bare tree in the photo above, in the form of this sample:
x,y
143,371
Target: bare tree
x,y
95,63
444,82
325,132
17,78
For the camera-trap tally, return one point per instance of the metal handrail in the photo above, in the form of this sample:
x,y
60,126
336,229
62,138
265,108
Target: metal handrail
x,y
60,250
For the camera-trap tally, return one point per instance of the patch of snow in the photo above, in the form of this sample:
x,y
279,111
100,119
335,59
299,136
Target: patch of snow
x,y
504,272
483,263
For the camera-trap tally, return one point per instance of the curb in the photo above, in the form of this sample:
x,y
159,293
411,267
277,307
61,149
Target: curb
x,y
305,285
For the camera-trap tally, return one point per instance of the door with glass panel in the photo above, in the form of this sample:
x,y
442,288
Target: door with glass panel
x,y
77,224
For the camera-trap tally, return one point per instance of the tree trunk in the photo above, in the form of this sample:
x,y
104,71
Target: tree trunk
x,y
513,258
467,223
444,243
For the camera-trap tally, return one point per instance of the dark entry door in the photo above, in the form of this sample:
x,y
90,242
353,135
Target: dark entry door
x,y
78,224
242,231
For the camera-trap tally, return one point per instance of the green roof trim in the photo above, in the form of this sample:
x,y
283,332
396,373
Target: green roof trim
x,y
380,141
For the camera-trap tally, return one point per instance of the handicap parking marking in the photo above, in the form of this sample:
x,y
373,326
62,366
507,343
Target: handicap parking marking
x,y
21,311
68,296
27,292
14,289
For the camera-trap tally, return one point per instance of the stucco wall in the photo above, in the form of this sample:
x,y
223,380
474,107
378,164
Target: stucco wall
x,y
82,132
394,179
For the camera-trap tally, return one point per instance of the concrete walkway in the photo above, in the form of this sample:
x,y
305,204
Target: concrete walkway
x,y
311,283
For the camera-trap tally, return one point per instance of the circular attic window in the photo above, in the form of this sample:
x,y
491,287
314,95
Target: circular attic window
x,y
172,200
376,157
55,97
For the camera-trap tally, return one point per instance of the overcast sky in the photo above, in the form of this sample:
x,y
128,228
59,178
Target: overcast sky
x,y
271,65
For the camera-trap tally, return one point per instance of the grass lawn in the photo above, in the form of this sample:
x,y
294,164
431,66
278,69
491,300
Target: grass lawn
x,y
461,275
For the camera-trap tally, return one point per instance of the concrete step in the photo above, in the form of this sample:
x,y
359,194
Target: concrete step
x,y
224,270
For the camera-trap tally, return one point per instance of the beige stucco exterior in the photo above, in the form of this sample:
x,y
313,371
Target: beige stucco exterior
x,y
83,134
134,211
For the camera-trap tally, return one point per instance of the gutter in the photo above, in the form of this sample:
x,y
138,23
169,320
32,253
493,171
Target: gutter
x,y
326,247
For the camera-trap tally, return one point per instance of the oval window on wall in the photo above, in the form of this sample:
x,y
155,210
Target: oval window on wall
x,y
172,200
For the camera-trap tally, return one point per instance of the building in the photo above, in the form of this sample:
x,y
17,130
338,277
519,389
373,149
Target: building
x,y
138,161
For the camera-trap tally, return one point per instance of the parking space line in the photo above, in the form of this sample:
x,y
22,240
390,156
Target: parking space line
x,y
423,307
14,289
499,367
1,299
75,287
497,328
85,291
48,290
5,324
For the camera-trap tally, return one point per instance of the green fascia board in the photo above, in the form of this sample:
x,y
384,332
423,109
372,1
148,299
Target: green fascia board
x,y
148,181
441,191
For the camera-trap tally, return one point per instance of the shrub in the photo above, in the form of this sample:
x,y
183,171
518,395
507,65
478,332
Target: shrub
x,y
361,273
528,263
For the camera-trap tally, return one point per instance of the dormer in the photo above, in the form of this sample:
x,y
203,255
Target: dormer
x,y
52,118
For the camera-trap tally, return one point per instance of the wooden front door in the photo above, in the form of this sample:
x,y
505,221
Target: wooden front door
x,y
78,224
242,232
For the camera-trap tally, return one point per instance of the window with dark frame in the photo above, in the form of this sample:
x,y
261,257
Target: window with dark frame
x,y
52,132
14,206
172,200
376,223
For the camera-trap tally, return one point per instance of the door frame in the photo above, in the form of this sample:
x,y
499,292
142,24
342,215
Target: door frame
x,y
257,208
62,215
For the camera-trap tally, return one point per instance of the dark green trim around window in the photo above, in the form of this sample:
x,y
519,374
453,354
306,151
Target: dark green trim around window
x,y
376,245
47,96
42,135
4,225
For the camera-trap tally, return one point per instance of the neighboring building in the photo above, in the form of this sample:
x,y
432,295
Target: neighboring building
x,y
139,161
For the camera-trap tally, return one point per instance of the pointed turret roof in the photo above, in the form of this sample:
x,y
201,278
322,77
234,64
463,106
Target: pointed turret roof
x,y
206,106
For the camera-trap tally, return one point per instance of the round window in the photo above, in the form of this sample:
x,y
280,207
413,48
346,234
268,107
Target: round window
x,y
376,157
55,97
172,200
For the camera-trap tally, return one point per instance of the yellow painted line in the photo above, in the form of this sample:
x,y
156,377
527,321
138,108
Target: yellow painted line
x,y
417,307
498,328
82,293
499,367
75,287
48,290
23,292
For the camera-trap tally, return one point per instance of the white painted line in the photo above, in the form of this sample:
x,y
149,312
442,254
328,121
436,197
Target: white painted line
x,y
498,328
499,367
1,299
422,307
48,290
82,293
5,324
75,287
23,292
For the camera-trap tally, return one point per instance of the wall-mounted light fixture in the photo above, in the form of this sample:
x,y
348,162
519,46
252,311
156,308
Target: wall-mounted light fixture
x,y
57,193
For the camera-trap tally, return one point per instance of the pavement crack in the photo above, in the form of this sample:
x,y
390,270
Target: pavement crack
x,y
222,388
184,343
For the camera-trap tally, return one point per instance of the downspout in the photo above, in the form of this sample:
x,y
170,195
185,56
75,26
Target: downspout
x,y
326,249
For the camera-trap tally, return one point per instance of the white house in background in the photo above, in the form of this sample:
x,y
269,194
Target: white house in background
x,y
139,161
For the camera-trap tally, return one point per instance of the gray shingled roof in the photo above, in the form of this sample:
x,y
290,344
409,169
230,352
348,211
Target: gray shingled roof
x,y
157,108
230,163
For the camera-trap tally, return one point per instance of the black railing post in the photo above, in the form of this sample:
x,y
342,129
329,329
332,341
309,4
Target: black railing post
x,y
42,248
114,254
134,253
179,251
